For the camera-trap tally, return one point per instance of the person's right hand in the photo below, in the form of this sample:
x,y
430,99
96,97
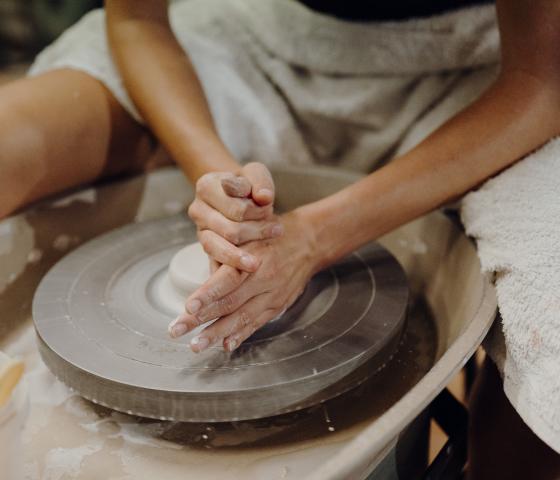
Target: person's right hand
x,y
231,210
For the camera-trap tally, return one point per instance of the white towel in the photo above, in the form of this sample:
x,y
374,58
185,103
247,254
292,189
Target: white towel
x,y
515,219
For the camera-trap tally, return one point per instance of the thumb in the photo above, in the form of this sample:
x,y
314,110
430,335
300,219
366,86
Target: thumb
x,y
238,187
262,184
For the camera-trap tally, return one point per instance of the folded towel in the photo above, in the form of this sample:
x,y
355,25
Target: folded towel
x,y
515,219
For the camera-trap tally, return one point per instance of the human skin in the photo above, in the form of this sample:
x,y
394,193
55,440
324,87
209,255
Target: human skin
x,y
41,153
516,115
179,116
519,112
60,130
64,129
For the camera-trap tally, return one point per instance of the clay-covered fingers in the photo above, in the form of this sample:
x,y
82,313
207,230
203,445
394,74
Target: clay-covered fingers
x,y
262,184
224,281
241,324
209,189
232,342
226,253
237,233
234,328
216,299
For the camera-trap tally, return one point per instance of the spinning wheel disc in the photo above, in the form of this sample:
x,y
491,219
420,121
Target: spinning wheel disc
x,y
102,330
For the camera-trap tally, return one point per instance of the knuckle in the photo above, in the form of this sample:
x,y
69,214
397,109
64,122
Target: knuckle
x,y
232,328
200,185
265,232
250,233
214,293
244,319
204,240
233,234
194,210
231,276
237,211
204,183
190,210
227,301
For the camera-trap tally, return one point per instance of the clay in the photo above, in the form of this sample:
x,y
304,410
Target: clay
x,y
189,269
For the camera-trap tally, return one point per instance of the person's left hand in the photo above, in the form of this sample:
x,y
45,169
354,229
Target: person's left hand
x,y
230,210
243,302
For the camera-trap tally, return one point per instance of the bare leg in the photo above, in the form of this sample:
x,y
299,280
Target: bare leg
x,y
501,446
60,130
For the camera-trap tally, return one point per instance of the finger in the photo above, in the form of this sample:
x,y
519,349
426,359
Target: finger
x,y
232,342
225,304
235,298
222,283
213,265
262,183
233,324
236,187
183,324
237,233
226,253
248,318
210,190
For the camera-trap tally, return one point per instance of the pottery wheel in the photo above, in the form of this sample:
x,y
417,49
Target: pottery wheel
x,y
103,331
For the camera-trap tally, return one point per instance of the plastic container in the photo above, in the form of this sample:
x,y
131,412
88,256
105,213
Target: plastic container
x,y
12,420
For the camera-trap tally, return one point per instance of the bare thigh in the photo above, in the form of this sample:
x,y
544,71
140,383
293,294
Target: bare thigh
x,y
501,446
61,130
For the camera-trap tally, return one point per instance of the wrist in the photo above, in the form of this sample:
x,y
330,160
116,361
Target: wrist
x,y
200,153
311,231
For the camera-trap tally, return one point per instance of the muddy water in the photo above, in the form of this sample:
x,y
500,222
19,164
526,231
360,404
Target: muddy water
x,y
69,437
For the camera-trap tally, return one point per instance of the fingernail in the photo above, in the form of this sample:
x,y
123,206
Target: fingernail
x,y
232,345
248,261
200,343
178,330
277,230
194,306
173,323
265,192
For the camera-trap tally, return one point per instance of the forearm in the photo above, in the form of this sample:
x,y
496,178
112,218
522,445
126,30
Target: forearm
x,y
161,81
516,115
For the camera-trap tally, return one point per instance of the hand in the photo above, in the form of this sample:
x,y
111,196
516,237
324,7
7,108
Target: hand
x,y
244,302
232,210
